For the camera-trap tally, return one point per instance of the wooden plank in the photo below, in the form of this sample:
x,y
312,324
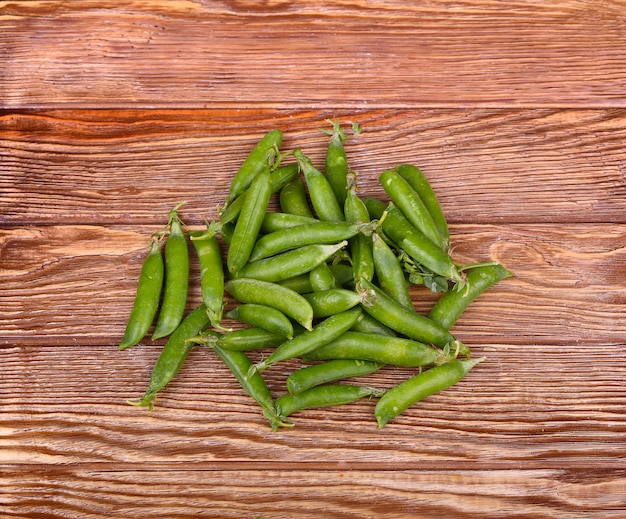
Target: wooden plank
x,y
197,54
92,492
534,406
488,166
63,284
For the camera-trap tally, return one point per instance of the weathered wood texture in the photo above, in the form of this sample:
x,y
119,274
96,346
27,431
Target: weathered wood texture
x,y
112,112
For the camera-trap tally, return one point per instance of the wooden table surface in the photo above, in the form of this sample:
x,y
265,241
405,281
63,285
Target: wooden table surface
x,y
113,111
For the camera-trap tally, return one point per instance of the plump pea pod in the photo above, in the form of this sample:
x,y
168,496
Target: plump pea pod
x,y
361,247
412,241
176,280
254,385
454,302
261,157
278,179
399,318
329,371
211,275
390,273
265,317
273,222
249,222
293,199
301,235
302,283
333,301
434,380
375,207
336,166
147,297
321,192
323,278
411,205
396,351
247,339
422,187
367,324
173,354
326,395
284,299
322,333
291,263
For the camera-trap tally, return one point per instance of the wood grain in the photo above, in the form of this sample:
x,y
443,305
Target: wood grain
x,y
112,112
243,53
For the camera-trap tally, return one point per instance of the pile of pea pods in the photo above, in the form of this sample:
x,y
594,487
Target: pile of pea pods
x,y
324,279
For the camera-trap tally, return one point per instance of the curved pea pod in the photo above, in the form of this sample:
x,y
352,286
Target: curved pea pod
x,y
326,395
321,192
247,339
273,222
254,385
411,205
289,264
293,199
389,272
173,354
176,280
249,222
434,380
265,317
336,166
300,235
148,294
327,372
412,241
278,179
399,318
333,301
211,275
414,176
323,278
454,302
261,157
322,333
395,351
284,299
361,246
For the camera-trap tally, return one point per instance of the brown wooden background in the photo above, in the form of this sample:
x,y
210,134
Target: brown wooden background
x,y
113,111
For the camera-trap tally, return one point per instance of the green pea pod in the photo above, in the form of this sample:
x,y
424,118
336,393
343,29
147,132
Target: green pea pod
x,y
367,324
337,162
454,302
291,263
249,222
247,339
333,301
395,351
293,199
211,275
329,371
375,207
321,192
284,299
173,354
273,222
361,246
411,205
322,333
147,297
434,380
326,395
262,316
301,235
176,280
261,157
239,364
302,283
278,179
323,278
422,187
399,318
411,240
389,272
